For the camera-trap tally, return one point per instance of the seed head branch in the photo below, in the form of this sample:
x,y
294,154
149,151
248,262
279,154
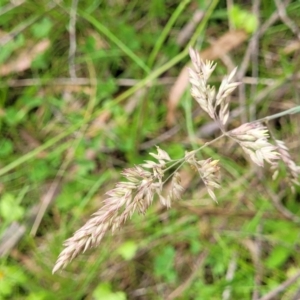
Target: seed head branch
x,y
216,105
135,194
145,181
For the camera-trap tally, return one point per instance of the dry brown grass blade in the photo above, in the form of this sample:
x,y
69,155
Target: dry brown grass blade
x,y
187,283
291,47
24,59
31,142
47,199
275,293
15,231
187,31
11,237
223,45
99,124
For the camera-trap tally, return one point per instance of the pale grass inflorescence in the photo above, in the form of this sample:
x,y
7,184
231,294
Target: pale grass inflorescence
x,y
145,181
293,171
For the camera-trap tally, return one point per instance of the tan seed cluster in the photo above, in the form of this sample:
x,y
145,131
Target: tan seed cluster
x,y
145,181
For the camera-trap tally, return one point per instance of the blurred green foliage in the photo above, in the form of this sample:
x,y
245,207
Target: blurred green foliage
x,y
80,132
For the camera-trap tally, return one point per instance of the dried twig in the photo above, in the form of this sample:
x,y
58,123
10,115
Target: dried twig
x,y
282,287
72,37
181,288
281,7
229,277
258,263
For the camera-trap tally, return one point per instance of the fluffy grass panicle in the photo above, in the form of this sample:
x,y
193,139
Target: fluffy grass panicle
x,y
293,171
145,181
135,194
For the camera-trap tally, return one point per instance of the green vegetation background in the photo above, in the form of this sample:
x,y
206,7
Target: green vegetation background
x,y
71,123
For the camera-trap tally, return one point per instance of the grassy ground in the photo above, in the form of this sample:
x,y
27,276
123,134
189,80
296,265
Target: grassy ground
x,y
85,92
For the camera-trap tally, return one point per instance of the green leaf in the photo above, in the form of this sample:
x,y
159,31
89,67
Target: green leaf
x,y
243,19
157,8
40,62
6,147
30,102
90,44
195,246
10,277
9,209
14,116
42,295
85,166
164,264
103,292
70,196
40,171
12,45
108,88
42,29
128,250
278,257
